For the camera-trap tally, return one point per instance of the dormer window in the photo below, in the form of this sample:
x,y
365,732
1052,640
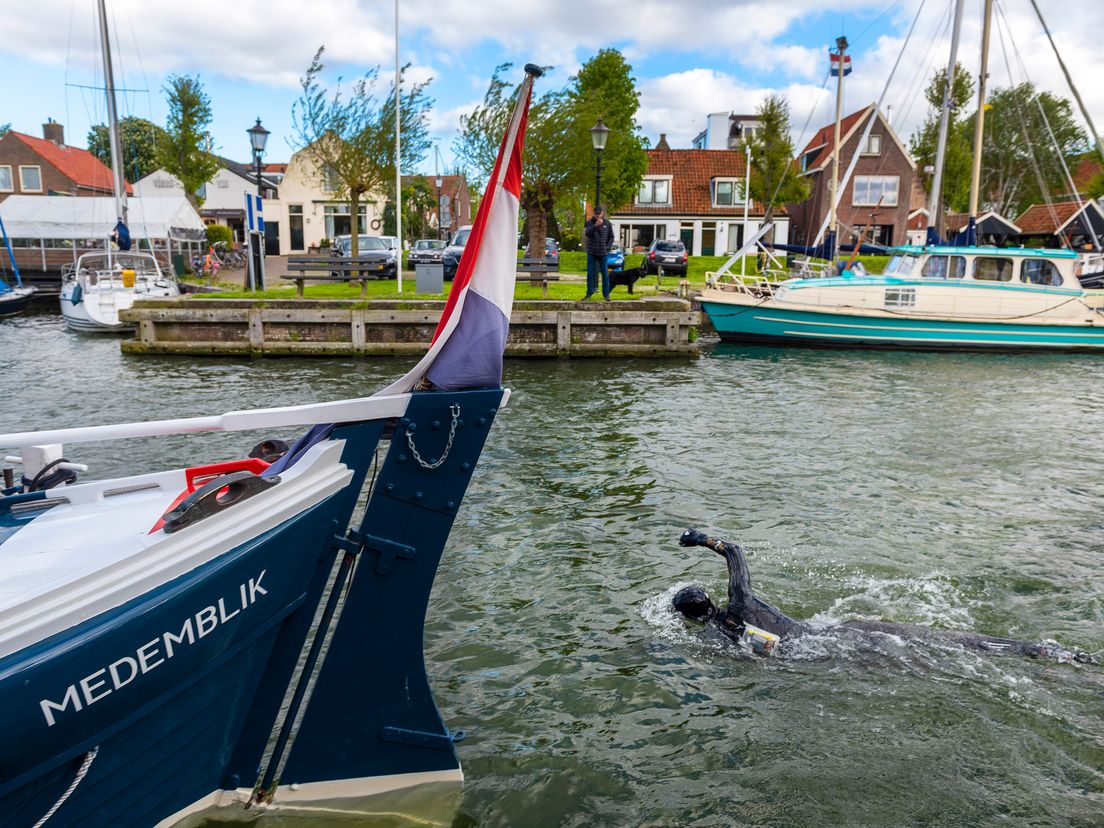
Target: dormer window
x,y
728,192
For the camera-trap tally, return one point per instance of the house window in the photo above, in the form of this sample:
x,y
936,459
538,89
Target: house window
x,y
873,145
30,179
727,192
222,184
6,184
654,191
1040,272
993,269
164,181
870,190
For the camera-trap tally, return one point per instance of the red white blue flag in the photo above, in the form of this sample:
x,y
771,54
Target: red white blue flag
x,y
467,346
835,64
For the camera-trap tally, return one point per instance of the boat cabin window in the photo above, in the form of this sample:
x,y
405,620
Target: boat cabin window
x,y
901,266
1040,272
993,269
945,267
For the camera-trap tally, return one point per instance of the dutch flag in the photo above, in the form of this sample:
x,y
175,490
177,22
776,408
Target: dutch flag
x,y
835,64
467,346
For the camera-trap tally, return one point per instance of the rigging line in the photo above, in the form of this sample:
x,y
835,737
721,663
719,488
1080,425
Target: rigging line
x,y
1027,138
861,34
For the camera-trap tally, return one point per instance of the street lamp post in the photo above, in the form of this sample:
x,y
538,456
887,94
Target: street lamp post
x,y
599,134
258,137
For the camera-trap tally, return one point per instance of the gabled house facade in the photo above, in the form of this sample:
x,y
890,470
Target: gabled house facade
x,y
695,195
878,194
725,131
47,166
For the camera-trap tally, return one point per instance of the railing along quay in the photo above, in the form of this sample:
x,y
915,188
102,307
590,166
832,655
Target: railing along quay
x,y
643,327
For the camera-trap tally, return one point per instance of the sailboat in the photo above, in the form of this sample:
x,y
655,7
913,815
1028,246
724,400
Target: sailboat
x,y
933,296
16,299
102,283
225,641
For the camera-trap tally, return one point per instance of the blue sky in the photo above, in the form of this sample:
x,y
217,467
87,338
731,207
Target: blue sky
x,y
690,57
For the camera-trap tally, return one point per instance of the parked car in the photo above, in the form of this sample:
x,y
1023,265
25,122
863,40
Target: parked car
x,y
670,255
372,250
551,255
615,260
426,251
451,256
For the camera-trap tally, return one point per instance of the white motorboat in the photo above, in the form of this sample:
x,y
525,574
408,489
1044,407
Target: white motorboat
x,y
105,282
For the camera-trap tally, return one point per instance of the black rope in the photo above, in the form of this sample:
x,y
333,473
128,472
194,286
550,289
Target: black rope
x,y
47,479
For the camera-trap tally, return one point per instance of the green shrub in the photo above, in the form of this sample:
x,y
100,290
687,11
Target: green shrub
x,y
219,233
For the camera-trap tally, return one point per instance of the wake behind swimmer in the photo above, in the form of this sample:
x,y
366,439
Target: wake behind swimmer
x,y
749,619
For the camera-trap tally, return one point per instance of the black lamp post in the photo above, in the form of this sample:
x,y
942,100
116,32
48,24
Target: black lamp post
x,y
258,137
440,229
599,134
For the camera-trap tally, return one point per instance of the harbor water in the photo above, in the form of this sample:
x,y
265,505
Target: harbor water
x,y
962,491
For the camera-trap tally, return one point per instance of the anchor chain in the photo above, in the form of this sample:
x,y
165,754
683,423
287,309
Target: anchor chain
x,y
454,409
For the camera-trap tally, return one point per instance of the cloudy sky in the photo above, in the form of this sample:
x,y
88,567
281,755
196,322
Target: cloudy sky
x,y
690,57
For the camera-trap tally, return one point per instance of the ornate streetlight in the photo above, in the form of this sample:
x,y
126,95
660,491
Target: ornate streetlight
x,y
258,137
599,134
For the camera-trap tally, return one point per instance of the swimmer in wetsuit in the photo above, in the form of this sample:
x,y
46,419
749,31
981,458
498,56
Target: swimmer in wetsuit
x,y
745,609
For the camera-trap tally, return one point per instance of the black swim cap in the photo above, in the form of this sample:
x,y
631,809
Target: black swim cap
x,y
693,602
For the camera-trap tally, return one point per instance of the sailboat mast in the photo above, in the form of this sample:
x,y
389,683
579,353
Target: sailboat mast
x,y
833,221
118,184
941,147
979,126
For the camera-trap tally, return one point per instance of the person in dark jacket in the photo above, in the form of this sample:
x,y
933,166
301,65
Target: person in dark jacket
x,y
748,618
599,240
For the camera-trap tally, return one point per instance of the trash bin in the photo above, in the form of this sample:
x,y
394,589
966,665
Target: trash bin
x,y
429,278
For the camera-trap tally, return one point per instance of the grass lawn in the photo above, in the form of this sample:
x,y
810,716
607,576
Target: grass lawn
x,y
575,262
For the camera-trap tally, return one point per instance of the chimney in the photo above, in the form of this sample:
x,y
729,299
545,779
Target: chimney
x,y
53,131
663,145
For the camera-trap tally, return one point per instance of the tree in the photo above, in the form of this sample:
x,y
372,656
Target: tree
x,y
419,204
1095,187
4,129
187,146
775,179
351,141
559,156
140,140
960,136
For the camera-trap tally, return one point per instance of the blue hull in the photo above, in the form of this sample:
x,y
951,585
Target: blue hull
x,y
761,324
197,687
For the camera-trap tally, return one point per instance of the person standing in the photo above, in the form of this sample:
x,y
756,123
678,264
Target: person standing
x,y
599,240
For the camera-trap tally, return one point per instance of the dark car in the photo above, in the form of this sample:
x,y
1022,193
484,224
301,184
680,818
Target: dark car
x,y
379,259
426,251
551,256
450,258
670,255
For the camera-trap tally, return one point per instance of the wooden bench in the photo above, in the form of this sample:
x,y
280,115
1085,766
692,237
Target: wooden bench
x,y
537,270
329,269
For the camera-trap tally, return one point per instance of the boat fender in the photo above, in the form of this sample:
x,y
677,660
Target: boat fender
x,y
78,294
214,497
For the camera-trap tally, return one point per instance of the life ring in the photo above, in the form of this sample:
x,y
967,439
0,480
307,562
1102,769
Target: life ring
x,y
376,224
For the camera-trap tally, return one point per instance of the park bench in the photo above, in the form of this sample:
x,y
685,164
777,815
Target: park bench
x,y
537,270
330,269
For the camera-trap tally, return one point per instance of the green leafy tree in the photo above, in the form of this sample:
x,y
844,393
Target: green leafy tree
x,y
775,179
1021,166
4,129
140,140
1095,187
960,136
187,146
350,140
419,206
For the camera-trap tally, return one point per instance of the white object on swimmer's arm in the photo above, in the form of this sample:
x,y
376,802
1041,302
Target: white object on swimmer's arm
x,y
761,642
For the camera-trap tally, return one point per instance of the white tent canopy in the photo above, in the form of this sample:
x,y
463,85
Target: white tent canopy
x,y
68,217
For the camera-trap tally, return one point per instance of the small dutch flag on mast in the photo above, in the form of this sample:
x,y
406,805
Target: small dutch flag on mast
x,y
835,64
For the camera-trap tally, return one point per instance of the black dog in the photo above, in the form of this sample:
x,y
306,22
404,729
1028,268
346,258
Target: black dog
x,y
626,277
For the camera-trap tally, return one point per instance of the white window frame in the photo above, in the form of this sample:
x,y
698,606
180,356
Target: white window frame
x,y
23,188
873,145
11,179
652,179
870,201
737,191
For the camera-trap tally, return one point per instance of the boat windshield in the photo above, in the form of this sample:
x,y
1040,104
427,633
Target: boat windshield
x,y
902,266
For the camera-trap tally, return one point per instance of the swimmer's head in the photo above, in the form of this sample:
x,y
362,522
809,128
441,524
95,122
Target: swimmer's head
x,y
694,603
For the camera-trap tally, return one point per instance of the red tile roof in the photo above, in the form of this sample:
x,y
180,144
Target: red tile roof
x,y
78,165
275,168
826,134
1040,219
692,172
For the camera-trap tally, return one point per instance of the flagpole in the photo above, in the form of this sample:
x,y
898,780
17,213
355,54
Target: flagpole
x,y
833,218
398,157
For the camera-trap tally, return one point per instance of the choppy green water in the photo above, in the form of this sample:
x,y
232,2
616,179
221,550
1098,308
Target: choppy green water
x,y
959,490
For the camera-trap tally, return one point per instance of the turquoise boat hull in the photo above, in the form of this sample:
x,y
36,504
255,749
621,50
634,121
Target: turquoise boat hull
x,y
773,325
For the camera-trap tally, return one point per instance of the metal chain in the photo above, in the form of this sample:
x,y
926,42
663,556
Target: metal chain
x,y
455,411
85,765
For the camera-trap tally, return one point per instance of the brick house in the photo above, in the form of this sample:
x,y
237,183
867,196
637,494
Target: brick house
x,y
696,195
46,166
885,172
454,201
